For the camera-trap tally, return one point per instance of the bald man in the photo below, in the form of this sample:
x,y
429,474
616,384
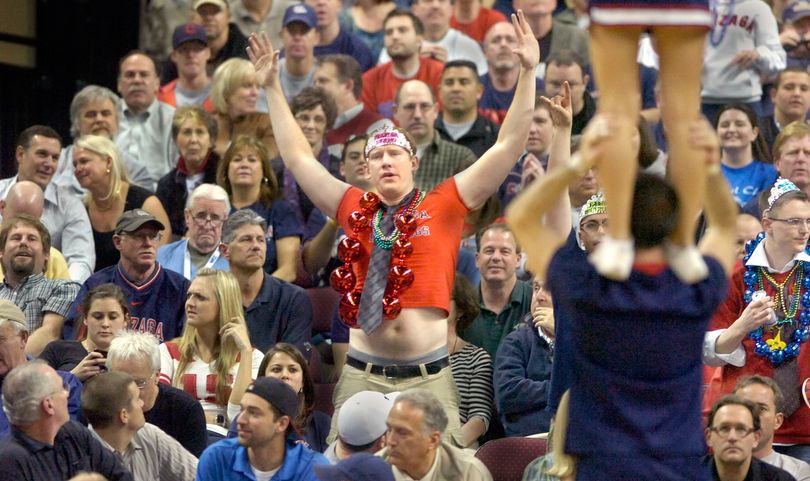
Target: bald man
x,y
415,110
26,197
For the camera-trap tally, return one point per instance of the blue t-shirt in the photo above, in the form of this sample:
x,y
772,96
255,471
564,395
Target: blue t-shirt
x,y
746,182
636,357
228,461
495,101
349,44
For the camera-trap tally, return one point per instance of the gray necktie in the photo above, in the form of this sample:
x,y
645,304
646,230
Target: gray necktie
x,y
369,314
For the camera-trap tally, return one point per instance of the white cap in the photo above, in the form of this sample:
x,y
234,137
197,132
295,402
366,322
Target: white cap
x,y
361,419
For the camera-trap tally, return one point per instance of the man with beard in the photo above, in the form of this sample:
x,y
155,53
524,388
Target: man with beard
x,y
25,197
415,110
403,36
263,448
206,211
156,295
24,252
94,110
146,122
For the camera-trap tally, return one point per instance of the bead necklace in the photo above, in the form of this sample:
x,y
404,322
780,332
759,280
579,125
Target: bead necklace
x,y
776,349
400,276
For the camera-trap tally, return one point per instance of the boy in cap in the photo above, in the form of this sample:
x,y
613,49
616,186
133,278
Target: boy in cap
x,y
156,295
190,54
263,449
361,425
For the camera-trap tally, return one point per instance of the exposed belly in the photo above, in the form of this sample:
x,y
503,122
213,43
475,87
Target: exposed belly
x,y
416,332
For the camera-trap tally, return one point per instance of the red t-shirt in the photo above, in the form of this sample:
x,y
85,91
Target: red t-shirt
x,y
380,84
796,428
479,27
436,240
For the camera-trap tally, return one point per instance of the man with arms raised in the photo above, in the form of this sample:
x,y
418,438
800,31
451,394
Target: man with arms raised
x,y
410,344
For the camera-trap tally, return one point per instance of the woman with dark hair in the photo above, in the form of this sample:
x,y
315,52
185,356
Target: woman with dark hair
x,y
105,312
250,182
471,365
743,152
285,362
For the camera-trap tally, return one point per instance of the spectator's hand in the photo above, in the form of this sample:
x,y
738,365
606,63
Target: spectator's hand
x,y
789,38
237,331
559,107
544,318
532,170
436,52
528,48
745,59
264,58
92,364
755,315
704,138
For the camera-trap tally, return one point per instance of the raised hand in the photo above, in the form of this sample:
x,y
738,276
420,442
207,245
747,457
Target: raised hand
x,y
264,58
559,107
237,331
528,49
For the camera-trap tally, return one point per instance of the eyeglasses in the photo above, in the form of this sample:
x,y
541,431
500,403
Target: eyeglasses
x,y
142,236
201,218
794,222
593,225
724,431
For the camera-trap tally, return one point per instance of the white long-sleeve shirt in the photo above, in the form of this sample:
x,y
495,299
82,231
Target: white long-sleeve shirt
x,y
748,25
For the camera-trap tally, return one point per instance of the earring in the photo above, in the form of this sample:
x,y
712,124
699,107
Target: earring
x,y
108,171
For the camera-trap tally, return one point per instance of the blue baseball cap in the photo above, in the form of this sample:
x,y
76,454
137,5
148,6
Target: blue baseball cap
x,y
300,12
357,467
188,32
796,10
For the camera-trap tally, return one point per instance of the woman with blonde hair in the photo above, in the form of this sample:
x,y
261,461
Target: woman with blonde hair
x,y
235,93
215,345
247,176
98,167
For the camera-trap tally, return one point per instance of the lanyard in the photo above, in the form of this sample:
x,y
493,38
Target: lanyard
x,y
187,261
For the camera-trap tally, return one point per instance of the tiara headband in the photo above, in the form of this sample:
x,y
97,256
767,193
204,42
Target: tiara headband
x,y
780,188
388,137
594,205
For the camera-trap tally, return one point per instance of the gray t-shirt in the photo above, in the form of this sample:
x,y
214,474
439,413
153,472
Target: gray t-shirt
x,y
292,85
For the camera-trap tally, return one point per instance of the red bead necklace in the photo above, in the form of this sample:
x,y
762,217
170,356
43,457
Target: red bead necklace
x,y
400,276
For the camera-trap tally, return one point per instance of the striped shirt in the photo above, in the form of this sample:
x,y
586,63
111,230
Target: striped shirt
x,y
199,380
472,372
37,295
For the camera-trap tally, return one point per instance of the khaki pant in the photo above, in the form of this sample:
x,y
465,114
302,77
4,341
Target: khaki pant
x,y
353,380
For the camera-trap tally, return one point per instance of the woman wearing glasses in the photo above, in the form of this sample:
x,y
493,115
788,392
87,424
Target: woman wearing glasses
x,y
99,169
194,131
105,312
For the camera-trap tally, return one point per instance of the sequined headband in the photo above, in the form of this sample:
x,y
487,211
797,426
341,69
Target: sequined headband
x,y
388,137
594,205
780,188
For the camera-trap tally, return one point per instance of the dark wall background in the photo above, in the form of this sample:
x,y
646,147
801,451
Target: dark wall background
x,y
78,43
